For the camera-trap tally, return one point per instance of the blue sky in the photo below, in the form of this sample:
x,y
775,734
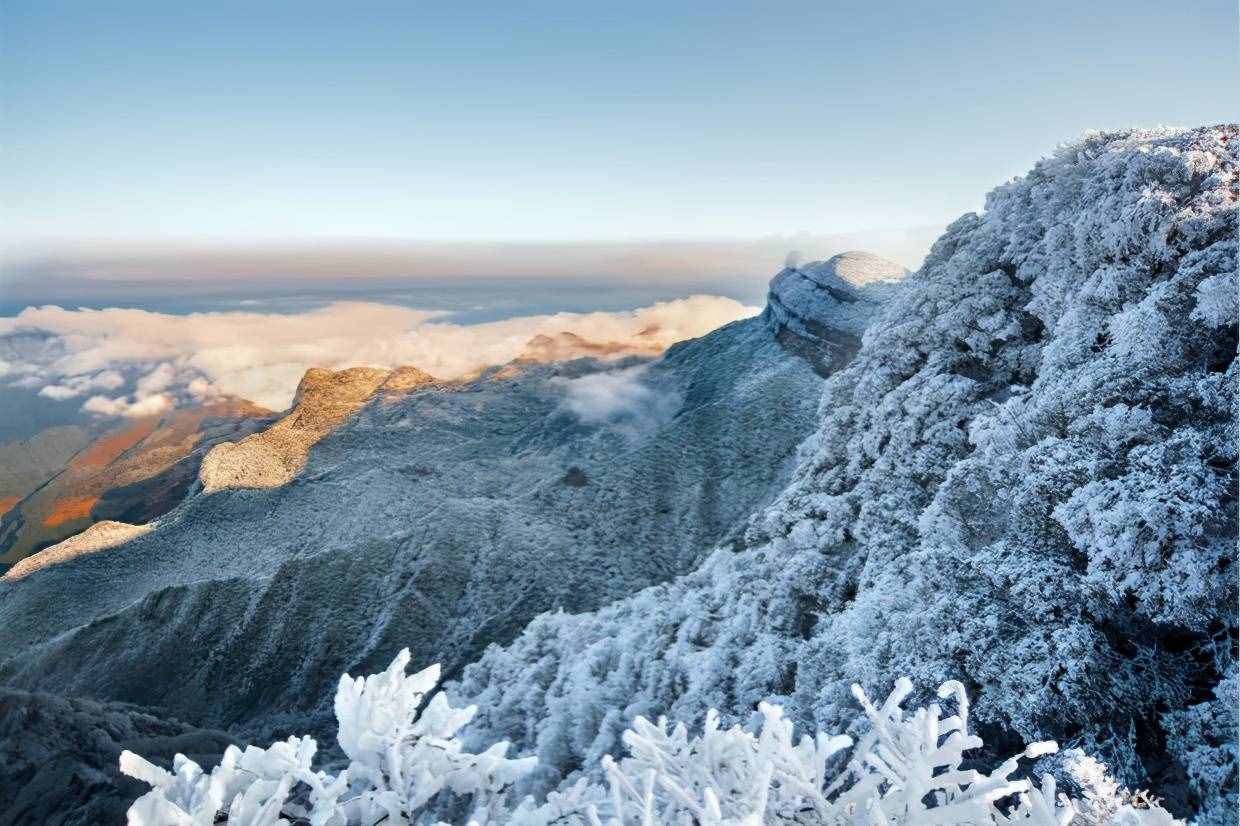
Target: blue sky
x,y
573,121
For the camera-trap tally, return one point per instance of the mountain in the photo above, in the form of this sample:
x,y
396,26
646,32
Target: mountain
x,y
64,479
442,516
1025,480
1015,468
25,464
820,310
323,401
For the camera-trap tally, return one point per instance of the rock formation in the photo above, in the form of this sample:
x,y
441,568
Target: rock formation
x,y
324,400
98,537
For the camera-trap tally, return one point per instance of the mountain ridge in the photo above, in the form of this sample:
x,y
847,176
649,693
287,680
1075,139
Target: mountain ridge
x,y
473,507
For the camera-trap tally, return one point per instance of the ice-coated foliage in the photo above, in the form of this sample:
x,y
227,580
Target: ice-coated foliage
x,y
402,753
1025,480
906,770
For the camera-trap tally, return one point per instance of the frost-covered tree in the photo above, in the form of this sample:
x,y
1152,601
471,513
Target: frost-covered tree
x,y
1026,480
402,753
906,770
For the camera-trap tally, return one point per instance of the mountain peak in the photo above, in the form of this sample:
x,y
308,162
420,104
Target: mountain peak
x,y
858,268
819,310
838,294
324,400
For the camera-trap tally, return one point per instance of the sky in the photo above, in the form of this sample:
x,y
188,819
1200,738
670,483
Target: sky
x,y
209,198
566,121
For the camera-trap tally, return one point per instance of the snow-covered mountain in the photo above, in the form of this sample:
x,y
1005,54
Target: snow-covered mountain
x,y
1017,469
1026,480
443,518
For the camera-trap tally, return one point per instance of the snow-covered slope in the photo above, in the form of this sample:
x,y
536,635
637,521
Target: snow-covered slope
x,y
442,520
1026,480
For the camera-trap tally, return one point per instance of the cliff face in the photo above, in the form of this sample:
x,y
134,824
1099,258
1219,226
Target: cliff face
x,y
442,517
820,310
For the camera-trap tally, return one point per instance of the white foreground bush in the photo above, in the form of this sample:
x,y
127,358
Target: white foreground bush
x,y
906,771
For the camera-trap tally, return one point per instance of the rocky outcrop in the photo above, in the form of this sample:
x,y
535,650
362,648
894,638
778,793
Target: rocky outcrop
x,y
98,537
544,349
818,311
403,380
324,400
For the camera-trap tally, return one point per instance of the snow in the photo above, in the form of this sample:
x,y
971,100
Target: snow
x,y
1021,481
443,521
1025,480
404,758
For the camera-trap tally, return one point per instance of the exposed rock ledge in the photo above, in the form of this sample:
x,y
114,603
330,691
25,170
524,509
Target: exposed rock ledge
x,y
98,537
819,311
324,400
840,293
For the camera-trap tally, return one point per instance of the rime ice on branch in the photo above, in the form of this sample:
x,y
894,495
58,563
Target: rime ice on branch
x,y
404,758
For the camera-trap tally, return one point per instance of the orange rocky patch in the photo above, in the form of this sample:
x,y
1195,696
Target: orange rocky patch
x,y
66,510
7,503
113,445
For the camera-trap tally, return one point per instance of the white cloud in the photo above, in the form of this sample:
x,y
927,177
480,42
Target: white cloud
x,y
59,392
105,406
122,406
621,398
149,406
77,385
262,356
107,380
159,379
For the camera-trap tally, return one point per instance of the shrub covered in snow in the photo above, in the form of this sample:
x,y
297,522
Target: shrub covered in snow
x,y
404,756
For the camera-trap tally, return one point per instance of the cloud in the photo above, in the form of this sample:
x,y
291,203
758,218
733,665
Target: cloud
x,y
147,406
77,385
166,359
159,379
620,398
59,392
